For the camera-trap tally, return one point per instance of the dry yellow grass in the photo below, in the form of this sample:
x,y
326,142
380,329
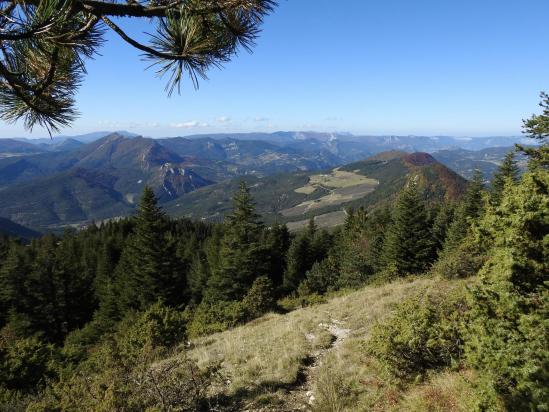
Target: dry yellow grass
x,y
343,186
265,360
341,178
337,179
446,391
326,220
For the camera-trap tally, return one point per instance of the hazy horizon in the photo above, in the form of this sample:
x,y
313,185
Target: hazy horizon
x,y
205,134
430,68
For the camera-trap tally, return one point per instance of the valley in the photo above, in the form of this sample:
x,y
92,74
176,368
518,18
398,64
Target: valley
x,y
295,198
75,180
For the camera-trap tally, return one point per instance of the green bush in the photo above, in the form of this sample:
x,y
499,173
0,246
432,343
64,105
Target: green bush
x,y
79,341
111,381
210,318
259,299
423,333
160,326
25,363
303,299
321,278
463,261
136,368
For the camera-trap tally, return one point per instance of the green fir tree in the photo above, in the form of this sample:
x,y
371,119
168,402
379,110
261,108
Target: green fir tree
x,y
468,211
508,173
408,245
241,254
509,331
148,270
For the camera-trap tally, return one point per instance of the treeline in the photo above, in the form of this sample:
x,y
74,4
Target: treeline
x,y
83,316
84,283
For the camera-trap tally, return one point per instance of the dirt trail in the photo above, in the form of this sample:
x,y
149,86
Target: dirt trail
x,y
302,393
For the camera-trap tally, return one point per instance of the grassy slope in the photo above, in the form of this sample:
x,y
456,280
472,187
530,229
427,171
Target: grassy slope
x,y
281,362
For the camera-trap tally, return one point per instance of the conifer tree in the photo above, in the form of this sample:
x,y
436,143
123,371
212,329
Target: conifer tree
x,y
276,242
508,173
408,246
299,261
378,224
310,246
148,269
355,266
322,277
47,289
468,211
311,227
241,255
75,276
321,244
509,332
537,127
4,246
45,44
442,222
105,287
203,263
13,274
198,275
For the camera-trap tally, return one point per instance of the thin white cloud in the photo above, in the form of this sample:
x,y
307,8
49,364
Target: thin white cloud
x,y
224,119
127,125
189,125
261,119
110,124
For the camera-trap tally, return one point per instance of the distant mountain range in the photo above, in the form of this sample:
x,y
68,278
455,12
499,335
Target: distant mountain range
x,y
313,140
47,184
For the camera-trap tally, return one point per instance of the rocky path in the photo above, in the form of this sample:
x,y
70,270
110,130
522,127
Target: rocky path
x,y
302,393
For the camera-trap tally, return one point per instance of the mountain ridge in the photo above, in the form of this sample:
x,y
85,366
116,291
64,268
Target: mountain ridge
x,y
110,172
283,198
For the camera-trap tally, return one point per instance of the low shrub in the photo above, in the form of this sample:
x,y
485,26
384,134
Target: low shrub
x,y
423,333
25,363
210,318
259,299
147,382
460,262
159,325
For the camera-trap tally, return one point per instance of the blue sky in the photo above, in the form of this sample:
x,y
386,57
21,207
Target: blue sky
x,y
435,67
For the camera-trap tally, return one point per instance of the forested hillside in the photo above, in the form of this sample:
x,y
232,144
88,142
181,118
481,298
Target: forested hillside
x,y
116,316
49,185
297,197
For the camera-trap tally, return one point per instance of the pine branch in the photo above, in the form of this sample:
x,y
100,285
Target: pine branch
x,y
44,42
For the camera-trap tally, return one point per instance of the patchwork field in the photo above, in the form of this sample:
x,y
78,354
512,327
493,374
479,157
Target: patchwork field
x,y
327,220
342,186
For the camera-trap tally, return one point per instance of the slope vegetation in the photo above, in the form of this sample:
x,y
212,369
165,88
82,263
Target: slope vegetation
x,y
315,357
